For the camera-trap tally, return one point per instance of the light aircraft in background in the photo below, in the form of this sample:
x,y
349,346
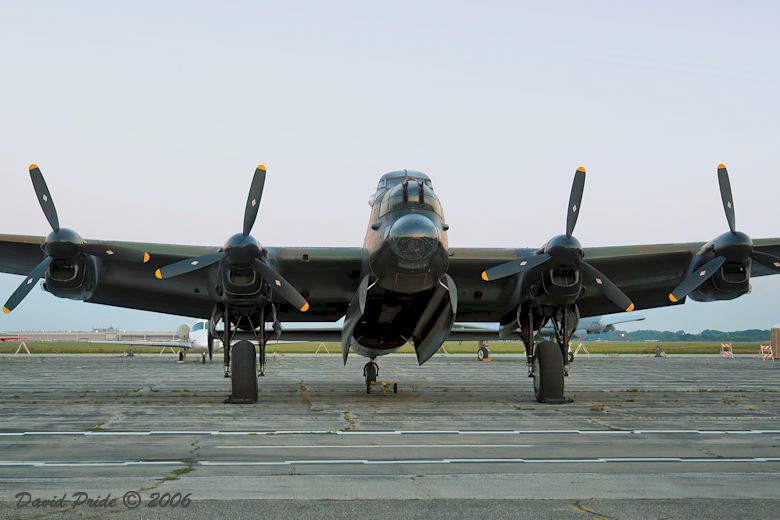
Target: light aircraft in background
x,y
8,337
404,285
197,342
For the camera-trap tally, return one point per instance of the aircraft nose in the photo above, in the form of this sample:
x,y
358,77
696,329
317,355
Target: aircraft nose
x,y
414,237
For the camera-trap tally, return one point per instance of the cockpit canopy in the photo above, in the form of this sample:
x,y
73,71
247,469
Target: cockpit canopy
x,y
405,189
410,195
393,179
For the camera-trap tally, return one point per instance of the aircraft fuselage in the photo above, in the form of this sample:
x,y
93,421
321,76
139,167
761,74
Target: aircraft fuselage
x,y
404,294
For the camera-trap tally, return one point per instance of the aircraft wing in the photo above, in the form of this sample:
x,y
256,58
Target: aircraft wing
x,y
172,344
328,277
646,273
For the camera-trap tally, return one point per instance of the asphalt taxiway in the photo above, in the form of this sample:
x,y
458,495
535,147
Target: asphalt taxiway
x,y
643,437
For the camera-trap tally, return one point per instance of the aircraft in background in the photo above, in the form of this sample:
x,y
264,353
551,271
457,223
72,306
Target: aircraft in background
x,y
197,342
5,337
589,325
405,284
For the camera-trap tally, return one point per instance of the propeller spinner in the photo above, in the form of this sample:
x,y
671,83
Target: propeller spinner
x,y
62,244
732,246
564,248
243,250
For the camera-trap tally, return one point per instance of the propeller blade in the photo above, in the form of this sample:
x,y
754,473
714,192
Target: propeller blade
x,y
189,265
696,278
123,254
44,197
515,267
27,285
725,195
575,199
767,260
282,287
253,200
611,291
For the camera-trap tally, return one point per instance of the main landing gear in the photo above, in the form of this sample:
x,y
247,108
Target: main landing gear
x,y
371,372
240,363
548,361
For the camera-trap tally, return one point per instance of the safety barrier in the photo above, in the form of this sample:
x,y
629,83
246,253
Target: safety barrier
x,y
726,350
766,352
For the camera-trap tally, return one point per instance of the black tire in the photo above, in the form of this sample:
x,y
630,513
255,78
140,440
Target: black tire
x,y
371,371
243,373
483,353
368,388
395,388
548,373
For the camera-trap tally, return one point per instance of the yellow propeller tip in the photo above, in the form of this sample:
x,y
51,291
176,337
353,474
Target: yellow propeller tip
x,y
33,167
6,309
485,276
630,308
721,166
261,167
305,307
147,256
158,274
672,298
581,169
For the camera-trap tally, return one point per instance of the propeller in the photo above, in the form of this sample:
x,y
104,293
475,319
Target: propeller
x,y
733,246
63,244
564,249
243,250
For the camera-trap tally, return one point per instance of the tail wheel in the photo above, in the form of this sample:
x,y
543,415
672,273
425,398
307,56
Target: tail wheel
x,y
371,371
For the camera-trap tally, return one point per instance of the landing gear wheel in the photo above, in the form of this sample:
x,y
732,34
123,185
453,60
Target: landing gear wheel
x,y
548,373
371,371
483,353
243,374
203,359
395,388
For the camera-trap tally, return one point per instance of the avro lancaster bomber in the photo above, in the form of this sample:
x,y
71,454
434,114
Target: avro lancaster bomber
x,y
404,285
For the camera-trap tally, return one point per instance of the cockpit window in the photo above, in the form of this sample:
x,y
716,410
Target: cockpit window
x,y
198,326
393,179
411,195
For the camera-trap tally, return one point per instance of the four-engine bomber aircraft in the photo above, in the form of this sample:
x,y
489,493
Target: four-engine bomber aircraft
x,y
404,285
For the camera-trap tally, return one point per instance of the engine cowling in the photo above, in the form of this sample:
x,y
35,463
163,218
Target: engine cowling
x,y
75,279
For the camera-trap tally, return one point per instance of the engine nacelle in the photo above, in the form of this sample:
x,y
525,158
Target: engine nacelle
x,y
241,286
731,281
72,279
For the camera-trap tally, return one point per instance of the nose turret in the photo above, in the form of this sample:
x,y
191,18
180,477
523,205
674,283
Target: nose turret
x,y
414,238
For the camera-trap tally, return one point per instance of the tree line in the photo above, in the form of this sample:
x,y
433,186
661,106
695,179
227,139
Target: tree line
x,y
681,335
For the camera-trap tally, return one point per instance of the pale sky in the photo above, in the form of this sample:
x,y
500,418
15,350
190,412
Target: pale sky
x,y
148,118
